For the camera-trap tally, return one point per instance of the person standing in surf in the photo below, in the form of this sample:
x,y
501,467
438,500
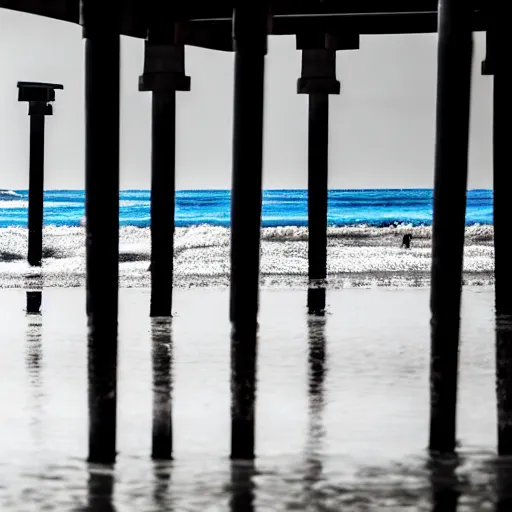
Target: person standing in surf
x,y
406,241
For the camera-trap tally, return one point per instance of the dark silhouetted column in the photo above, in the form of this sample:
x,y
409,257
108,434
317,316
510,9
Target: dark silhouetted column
x,y
39,95
318,81
102,41
500,57
455,49
162,388
164,74
250,35
36,185
318,157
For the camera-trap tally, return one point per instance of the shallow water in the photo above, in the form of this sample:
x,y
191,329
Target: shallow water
x,y
348,434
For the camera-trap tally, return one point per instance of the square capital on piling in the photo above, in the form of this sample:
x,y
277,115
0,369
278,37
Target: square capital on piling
x,y
318,72
37,91
164,68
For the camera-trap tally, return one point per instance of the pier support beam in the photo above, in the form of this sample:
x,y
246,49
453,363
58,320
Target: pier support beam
x,y
102,45
318,81
318,157
164,74
455,50
39,96
499,55
250,37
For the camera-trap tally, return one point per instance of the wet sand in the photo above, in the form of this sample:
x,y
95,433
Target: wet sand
x,y
346,434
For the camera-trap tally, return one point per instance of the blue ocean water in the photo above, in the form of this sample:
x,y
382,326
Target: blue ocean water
x,y
372,207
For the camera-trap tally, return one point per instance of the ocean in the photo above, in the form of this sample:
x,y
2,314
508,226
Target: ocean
x,y
364,237
342,406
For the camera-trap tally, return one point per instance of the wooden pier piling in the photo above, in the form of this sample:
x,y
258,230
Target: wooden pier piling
x,y
163,113
39,96
36,186
318,81
317,200
455,50
164,74
250,39
161,445
102,45
499,56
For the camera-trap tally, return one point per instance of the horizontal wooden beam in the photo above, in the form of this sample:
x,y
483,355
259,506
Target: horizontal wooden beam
x,y
209,25
200,10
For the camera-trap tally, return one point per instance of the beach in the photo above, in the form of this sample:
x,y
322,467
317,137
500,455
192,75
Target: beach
x,y
342,412
353,437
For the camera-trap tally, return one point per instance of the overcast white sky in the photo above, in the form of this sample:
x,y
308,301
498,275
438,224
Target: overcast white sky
x,y
381,129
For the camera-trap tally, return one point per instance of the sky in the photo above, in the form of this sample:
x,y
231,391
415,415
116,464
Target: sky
x,y
381,125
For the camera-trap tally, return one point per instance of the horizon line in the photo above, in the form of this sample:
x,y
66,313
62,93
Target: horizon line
x,y
229,189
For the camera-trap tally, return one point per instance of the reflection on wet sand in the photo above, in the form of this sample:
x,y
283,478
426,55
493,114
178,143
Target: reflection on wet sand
x,y
34,362
320,475
316,432
444,483
161,336
100,489
162,497
503,484
242,486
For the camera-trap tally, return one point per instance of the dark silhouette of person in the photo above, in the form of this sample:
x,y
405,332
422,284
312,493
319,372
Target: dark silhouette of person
x,y
406,241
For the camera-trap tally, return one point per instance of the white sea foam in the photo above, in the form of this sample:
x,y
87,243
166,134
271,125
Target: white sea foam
x,y
8,193
357,256
13,204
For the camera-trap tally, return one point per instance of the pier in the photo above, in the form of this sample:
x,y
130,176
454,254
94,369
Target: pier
x,y
39,97
321,29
